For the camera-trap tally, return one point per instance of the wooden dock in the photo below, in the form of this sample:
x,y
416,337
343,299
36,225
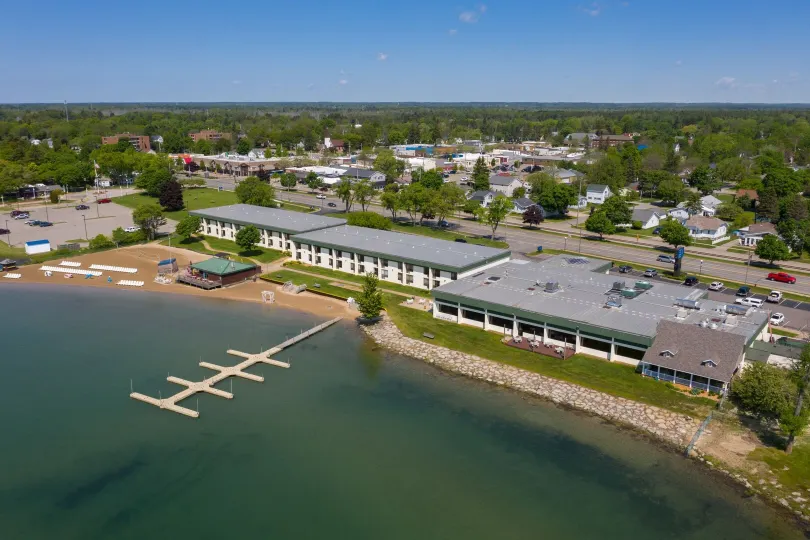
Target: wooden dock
x,y
207,385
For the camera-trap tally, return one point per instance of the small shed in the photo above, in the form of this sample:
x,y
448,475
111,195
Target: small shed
x,y
215,272
7,264
167,266
37,246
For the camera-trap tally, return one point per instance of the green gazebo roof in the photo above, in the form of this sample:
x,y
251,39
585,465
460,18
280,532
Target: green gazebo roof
x,y
221,267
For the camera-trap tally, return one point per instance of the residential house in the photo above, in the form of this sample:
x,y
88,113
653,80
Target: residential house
x,y
582,202
524,203
708,228
597,193
680,213
567,176
376,178
709,204
647,217
708,367
483,197
504,184
579,138
752,234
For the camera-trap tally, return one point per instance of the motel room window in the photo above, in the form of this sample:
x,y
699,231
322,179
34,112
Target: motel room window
x,y
409,268
449,310
436,283
385,274
453,276
425,281
561,336
472,315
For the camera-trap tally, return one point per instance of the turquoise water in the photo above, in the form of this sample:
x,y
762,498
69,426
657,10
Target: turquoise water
x,y
348,443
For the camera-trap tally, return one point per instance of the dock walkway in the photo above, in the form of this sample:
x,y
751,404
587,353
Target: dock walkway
x,y
207,385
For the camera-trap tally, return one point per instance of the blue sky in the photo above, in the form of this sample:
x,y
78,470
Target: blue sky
x,y
359,50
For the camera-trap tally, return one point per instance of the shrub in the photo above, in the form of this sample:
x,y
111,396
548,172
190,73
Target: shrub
x,y
636,225
370,220
55,195
100,242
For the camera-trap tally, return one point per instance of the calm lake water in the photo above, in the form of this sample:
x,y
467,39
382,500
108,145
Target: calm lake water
x,y
348,443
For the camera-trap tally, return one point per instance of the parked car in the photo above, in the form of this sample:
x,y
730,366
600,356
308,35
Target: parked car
x,y
690,281
625,269
33,223
104,201
751,302
666,258
331,205
464,178
82,207
716,286
775,297
657,231
15,213
782,277
650,272
320,196
132,228
461,240
45,224
22,215
745,290
777,319
4,231
443,223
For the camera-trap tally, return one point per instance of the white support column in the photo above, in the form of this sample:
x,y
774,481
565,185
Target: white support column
x,y
356,263
379,268
545,333
612,350
430,277
514,326
576,342
486,319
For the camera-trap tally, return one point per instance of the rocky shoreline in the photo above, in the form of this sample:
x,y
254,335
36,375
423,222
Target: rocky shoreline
x,y
672,428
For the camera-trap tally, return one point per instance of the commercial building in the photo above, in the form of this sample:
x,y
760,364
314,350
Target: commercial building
x,y
139,142
215,273
604,141
238,165
208,135
275,226
407,259
571,302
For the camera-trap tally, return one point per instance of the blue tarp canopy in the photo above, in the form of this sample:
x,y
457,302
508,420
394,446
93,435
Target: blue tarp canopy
x,y
36,242
166,261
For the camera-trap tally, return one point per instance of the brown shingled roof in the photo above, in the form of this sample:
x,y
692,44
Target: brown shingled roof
x,y
705,223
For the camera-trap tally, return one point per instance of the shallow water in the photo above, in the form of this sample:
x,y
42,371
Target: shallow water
x,y
348,443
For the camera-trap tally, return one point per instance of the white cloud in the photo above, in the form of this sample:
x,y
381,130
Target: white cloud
x,y
472,16
343,82
678,62
382,57
726,82
452,31
775,81
593,10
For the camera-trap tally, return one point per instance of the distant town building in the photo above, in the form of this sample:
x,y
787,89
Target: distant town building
x,y
208,135
612,140
139,142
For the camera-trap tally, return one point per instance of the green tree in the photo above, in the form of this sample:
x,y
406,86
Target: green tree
x,y
203,147
675,234
370,220
450,197
540,182
288,180
693,203
763,390
387,163
55,195
671,190
617,210
314,181
187,226
480,175
519,192
253,191
793,423
243,146
431,179
495,213
558,199
149,217
703,179
370,300
771,248
391,202
631,160
470,207
171,196
410,199
346,194
599,223
795,207
728,211
610,172
156,174
100,242
247,237
123,145
364,193
533,215
731,170
783,181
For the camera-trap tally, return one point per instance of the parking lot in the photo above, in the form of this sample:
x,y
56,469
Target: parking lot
x,y
797,314
68,224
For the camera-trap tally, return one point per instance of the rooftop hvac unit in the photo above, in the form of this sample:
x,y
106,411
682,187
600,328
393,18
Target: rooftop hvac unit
x,y
682,313
618,285
736,309
731,320
552,286
630,293
643,285
614,302
687,303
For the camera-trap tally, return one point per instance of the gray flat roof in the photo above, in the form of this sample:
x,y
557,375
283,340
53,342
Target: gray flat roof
x,y
581,300
268,218
410,248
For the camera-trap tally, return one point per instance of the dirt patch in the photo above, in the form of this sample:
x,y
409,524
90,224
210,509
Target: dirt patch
x,y
730,445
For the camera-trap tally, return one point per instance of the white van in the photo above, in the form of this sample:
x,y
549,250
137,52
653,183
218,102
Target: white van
x,y
752,302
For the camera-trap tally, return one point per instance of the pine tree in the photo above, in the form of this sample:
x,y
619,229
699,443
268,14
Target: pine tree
x,y
370,300
480,175
171,196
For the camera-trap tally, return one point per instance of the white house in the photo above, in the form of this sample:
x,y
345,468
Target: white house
x,y
751,235
582,202
524,203
504,184
707,228
648,218
709,205
483,197
680,213
597,193
567,176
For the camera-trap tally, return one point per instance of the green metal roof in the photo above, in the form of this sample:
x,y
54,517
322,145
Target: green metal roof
x,y
221,267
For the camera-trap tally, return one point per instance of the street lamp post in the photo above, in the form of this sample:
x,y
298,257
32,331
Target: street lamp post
x,y
701,268
747,266
85,227
9,233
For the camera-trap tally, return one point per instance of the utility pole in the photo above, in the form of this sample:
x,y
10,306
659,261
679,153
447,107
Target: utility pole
x,y
67,118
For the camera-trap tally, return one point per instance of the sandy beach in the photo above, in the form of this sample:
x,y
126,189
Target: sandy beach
x,y
145,259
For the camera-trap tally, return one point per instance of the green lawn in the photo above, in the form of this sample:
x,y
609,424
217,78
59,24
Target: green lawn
x,y
282,276
333,274
9,252
611,378
261,254
195,199
792,471
783,332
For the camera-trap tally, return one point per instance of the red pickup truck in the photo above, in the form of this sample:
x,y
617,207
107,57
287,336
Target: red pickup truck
x,y
781,276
